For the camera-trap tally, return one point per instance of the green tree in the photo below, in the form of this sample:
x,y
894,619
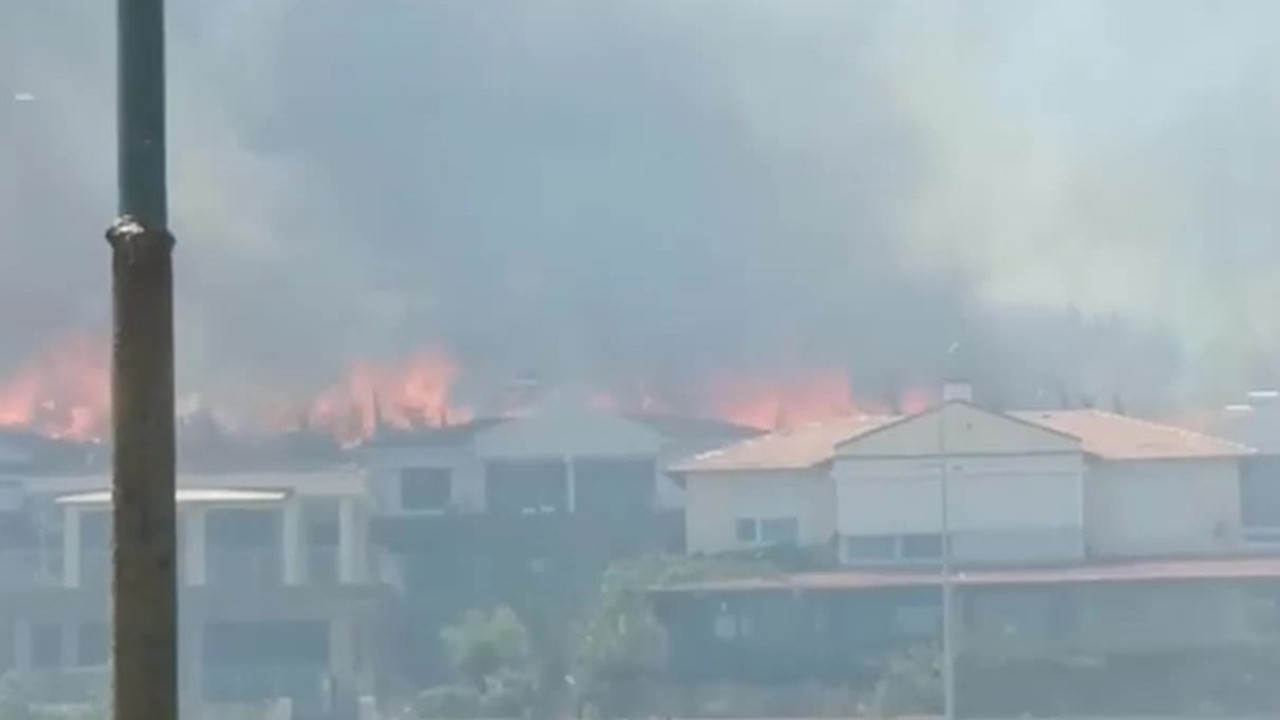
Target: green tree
x,y
910,683
619,644
484,644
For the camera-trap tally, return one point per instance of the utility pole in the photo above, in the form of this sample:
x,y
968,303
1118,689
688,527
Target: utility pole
x,y
948,581
144,587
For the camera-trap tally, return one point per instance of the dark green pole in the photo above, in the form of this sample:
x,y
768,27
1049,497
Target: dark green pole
x,y
144,590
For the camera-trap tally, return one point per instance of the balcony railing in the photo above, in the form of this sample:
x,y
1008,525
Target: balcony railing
x,y
243,567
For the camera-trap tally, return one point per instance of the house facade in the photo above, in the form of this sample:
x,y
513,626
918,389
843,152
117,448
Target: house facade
x,y
524,511
1074,536
1011,491
282,593
1018,488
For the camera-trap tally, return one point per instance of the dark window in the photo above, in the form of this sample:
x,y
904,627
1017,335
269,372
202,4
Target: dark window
x,y
614,488
95,529
94,645
922,547
871,547
46,646
321,517
746,530
426,488
1260,493
527,487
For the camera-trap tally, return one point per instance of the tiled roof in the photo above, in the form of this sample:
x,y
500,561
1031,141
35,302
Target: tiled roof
x,y
800,447
1121,437
1147,571
1101,434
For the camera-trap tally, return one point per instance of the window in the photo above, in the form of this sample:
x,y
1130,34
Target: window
x,y
767,531
914,547
922,547
780,531
527,487
871,547
426,488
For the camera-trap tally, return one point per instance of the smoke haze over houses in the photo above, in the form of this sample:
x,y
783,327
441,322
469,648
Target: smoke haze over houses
x,y
1080,192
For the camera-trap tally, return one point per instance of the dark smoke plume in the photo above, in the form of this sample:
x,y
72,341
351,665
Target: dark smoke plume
x,y
1080,192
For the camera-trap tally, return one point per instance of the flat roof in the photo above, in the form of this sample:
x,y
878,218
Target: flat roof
x,y
187,496
1127,572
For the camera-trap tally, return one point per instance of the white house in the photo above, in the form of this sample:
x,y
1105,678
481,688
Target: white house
x,y
1014,490
1154,489
772,489
1021,488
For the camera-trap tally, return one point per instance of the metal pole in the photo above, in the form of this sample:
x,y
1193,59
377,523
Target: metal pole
x,y
948,589
144,592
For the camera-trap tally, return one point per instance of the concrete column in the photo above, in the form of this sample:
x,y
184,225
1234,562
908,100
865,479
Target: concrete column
x,y
349,552
195,542
22,646
342,656
571,484
71,546
294,561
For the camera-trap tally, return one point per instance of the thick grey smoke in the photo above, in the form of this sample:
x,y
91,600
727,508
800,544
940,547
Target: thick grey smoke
x,y
646,189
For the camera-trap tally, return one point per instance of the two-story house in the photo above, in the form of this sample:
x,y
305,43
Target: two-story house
x,y
524,510
282,594
1018,488
1071,532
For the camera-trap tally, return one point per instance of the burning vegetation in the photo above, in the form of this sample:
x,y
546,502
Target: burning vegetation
x,y
63,392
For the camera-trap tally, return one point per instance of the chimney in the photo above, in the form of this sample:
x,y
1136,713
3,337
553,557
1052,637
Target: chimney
x,y
957,391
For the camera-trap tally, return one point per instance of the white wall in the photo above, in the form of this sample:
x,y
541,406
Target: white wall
x,y
1019,507
1138,508
715,501
1015,490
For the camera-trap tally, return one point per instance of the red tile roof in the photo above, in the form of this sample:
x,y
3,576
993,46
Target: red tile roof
x,y
1121,437
1130,572
794,449
1101,434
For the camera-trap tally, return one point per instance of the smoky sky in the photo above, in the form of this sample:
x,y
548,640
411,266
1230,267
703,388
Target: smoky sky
x,y
1081,193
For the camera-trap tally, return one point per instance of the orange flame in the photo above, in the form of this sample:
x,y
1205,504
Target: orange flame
x,y
766,405
64,392
416,393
